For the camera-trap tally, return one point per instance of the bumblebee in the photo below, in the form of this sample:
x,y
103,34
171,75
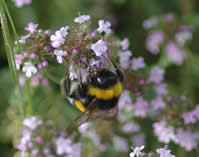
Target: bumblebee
x,y
97,98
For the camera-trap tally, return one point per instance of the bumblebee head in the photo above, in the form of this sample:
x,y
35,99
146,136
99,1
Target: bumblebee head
x,y
103,78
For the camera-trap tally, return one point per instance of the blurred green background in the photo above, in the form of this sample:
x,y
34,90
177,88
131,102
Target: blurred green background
x,y
126,16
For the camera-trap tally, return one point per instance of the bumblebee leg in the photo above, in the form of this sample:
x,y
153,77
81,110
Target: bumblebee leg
x,y
82,90
67,85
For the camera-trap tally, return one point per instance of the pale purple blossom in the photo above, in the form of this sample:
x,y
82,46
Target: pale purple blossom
x,y
182,37
149,23
76,150
154,39
58,38
22,39
163,132
26,137
189,117
31,122
63,146
35,80
161,89
158,103
31,27
18,60
163,152
131,126
124,100
21,3
169,17
59,55
100,48
187,139
21,79
136,151
29,69
156,75
140,107
81,19
120,144
33,56
137,63
104,26
125,58
124,44
138,140
175,53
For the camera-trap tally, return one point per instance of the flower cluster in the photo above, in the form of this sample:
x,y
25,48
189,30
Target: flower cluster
x,y
21,3
32,55
42,139
78,48
167,37
161,152
186,137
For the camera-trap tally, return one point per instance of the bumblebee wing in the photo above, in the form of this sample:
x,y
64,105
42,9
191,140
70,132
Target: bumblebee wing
x,y
84,117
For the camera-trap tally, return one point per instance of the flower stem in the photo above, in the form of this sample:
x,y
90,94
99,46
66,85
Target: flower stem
x,y
8,45
10,53
10,19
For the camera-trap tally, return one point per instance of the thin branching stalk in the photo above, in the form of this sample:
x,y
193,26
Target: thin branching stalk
x,y
10,53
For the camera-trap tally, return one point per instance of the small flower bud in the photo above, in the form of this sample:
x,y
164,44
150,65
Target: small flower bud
x,y
75,51
33,56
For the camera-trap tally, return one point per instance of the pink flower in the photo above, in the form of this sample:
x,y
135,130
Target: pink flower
x,y
76,150
124,44
21,80
31,122
175,53
58,38
131,126
138,140
125,59
100,48
163,132
169,17
124,100
149,23
104,26
137,63
29,69
189,117
182,37
31,27
81,19
21,3
140,107
187,139
120,144
164,152
161,89
59,54
158,103
156,75
18,60
63,146
154,39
